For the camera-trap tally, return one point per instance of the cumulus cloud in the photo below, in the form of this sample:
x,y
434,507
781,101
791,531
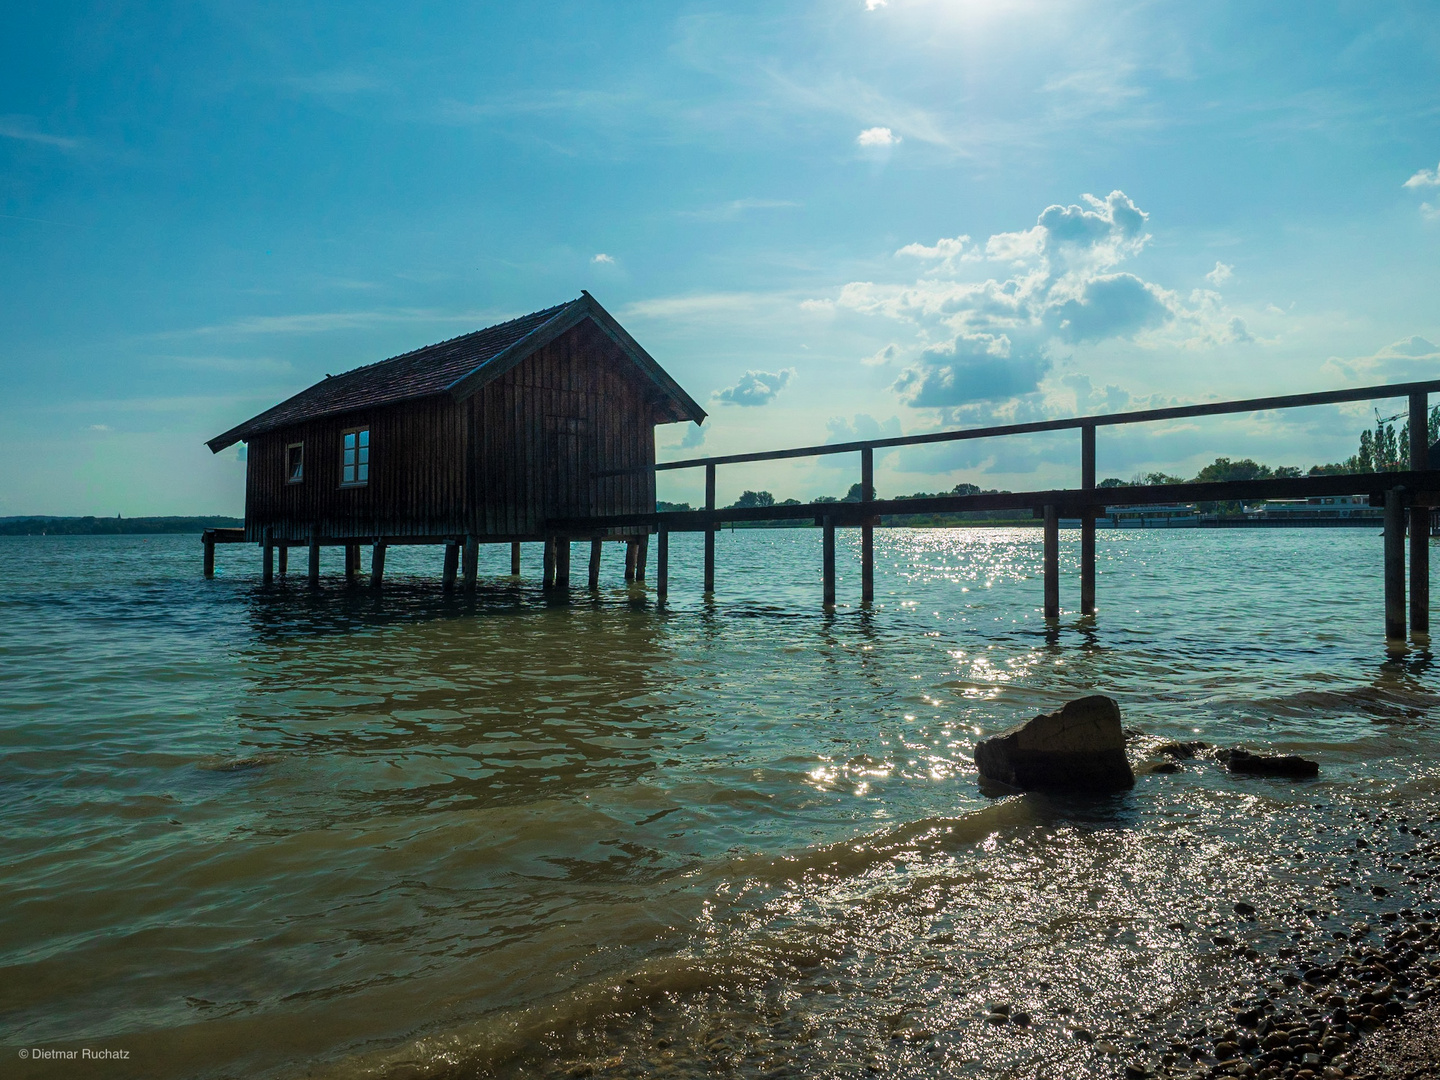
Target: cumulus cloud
x,y
603,258
1408,359
854,429
877,138
1221,274
694,437
756,387
1425,178
881,357
1057,284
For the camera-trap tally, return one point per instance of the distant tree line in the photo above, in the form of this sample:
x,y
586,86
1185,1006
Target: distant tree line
x,y
93,526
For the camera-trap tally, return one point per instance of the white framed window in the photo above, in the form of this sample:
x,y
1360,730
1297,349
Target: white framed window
x,y
355,457
295,463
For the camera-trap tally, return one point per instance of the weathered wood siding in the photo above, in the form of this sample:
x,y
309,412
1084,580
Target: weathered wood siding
x,y
522,450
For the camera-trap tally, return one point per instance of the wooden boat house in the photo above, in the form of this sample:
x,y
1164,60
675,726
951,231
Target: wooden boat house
x,y
482,438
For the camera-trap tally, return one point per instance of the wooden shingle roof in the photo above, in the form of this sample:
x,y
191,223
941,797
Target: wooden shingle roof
x,y
458,367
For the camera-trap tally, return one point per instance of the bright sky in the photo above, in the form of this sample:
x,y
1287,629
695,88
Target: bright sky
x,y
827,219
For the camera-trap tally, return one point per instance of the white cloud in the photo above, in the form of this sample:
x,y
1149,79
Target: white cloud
x,y
100,427
756,387
694,437
1429,212
882,357
603,258
877,138
24,129
871,5
1221,274
1425,178
1411,358
946,251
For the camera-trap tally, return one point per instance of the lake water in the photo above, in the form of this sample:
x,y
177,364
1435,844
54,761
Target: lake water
x,y
252,832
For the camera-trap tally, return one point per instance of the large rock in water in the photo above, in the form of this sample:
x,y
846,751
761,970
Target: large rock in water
x,y
1079,748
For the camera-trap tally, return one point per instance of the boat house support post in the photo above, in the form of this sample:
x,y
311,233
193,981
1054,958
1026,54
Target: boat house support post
x,y
596,545
1419,519
1052,562
547,580
828,559
267,547
352,563
470,564
867,530
1087,522
377,564
562,562
709,530
642,551
314,556
515,558
209,540
284,559
662,564
452,565
629,561
1395,565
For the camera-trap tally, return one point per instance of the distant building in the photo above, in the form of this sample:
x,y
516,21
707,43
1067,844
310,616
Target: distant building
x,y
487,436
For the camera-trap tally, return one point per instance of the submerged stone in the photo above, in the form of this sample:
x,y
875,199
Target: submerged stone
x,y
1243,761
1081,747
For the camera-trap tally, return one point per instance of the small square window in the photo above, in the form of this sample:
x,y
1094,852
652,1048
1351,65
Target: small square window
x,y
355,457
295,463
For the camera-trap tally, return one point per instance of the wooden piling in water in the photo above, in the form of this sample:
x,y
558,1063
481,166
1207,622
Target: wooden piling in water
x,y
629,561
284,559
1395,565
1052,562
377,564
828,558
596,545
470,561
267,562
1087,522
642,551
1419,519
315,556
709,585
208,538
352,563
662,564
515,558
867,530
562,562
547,576
452,565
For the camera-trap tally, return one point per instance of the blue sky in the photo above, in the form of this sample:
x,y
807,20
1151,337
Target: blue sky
x,y
826,219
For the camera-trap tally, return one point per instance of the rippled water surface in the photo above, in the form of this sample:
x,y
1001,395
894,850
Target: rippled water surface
x,y
256,832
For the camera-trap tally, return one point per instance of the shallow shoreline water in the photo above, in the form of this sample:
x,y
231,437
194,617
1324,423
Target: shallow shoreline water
x,y
257,833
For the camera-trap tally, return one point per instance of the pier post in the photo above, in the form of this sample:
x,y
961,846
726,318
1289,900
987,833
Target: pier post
x,y
1052,563
595,546
867,530
314,556
547,579
267,546
662,564
352,563
470,563
1395,565
208,538
562,562
377,563
1087,522
629,561
709,530
1419,519
642,552
284,559
452,565
515,558
828,545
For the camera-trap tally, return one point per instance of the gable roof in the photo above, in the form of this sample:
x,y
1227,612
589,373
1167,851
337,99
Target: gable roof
x,y
459,367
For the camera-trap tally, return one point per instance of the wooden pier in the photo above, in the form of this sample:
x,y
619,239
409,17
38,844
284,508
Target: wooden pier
x,y
1408,498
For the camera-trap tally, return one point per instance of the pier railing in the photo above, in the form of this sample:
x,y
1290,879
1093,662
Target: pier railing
x,y
1406,494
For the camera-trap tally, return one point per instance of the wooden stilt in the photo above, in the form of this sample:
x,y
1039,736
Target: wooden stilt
x,y
596,544
315,557
828,559
547,579
284,559
1052,563
1419,520
452,565
710,530
515,559
208,538
1087,522
867,530
470,564
377,564
1395,565
662,564
642,550
562,562
267,567
629,561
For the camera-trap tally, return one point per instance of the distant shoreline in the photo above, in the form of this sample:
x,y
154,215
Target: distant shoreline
x,y
40,525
